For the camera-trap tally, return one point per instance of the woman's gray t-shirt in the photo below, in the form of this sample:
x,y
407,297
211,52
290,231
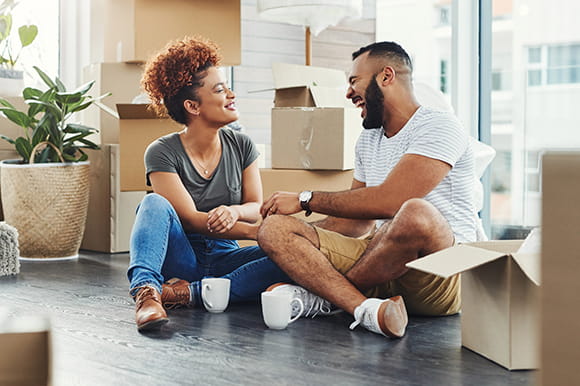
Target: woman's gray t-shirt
x,y
224,187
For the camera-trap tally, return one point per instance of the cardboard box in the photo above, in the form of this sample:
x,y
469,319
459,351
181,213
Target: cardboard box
x,y
500,293
111,212
7,127
313,126
314,138
123,80
560,345
138,127
25,351
133,30
308,86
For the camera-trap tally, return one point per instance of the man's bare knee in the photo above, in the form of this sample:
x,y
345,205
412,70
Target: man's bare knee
x,y
279,230
419,219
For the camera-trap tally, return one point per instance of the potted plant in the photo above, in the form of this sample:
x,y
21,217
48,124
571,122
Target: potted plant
x,y
10,50
45,193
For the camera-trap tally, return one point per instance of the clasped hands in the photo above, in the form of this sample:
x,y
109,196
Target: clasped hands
x,y
222,219
281,203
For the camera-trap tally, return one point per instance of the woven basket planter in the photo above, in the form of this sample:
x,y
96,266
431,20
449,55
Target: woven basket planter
x,y
47,203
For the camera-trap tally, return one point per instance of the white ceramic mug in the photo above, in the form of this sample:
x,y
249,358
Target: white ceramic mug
x,y
277,309
215,293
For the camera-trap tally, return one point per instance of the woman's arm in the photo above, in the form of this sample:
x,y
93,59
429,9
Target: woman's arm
x,y
169,185
249,210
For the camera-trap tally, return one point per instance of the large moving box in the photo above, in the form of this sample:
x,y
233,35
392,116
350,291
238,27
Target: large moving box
x,y
500,297
111,212
321,129
560,344
132,30
138,127
123,81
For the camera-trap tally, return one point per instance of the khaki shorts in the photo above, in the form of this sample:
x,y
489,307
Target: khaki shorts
x,y
424,293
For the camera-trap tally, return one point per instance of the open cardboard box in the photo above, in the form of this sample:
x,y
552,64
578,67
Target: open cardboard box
x,y
500,297
133,30
316,128
138,127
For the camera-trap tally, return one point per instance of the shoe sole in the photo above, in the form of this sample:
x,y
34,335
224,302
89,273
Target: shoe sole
x,y
271,288
393,322
153,324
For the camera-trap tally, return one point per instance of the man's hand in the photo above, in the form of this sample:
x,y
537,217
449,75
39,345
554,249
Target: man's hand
x,y
281,203
221,219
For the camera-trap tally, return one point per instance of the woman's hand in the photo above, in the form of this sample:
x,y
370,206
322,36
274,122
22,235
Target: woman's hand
x,y
222,219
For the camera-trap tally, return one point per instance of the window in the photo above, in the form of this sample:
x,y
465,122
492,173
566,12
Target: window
x,y
44,51
530,116
554,64
443,78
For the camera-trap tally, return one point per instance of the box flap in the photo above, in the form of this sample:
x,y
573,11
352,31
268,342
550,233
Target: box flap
x,y
528,256
135,111
294,75
329,96
453,260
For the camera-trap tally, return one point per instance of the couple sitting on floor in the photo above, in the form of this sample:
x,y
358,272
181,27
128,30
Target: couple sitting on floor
x,y
411,195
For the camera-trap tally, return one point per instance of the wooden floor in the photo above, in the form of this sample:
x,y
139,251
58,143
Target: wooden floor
x,y
95,341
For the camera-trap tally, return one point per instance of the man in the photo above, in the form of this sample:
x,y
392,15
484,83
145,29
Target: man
x,y
413,180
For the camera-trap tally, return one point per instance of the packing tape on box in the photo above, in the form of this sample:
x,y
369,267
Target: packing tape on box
x,y
306,137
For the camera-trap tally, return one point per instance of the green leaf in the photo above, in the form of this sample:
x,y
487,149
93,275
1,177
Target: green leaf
x,y
68,98
5,103
23,147
27,34
39,134
45,78
76,128
80,106
48,107
17,117
59,85
83,89
10,140
5,26
31,93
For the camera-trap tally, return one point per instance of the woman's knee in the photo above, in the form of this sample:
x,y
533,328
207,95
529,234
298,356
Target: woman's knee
x,y
155,204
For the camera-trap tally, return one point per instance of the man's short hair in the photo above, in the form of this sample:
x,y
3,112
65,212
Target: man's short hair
x,y
387,50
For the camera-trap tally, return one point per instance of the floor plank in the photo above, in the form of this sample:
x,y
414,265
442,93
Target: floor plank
x,y
95,341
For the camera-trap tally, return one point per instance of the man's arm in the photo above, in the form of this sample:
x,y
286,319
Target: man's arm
x,y
347,226
414,176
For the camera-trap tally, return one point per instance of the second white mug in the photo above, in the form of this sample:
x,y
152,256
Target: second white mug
x,y
215,293
277,309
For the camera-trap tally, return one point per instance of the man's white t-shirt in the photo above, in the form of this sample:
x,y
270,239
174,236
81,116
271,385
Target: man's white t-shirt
x,y
433,134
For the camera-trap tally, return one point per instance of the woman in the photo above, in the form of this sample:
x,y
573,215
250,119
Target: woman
x,y
207,191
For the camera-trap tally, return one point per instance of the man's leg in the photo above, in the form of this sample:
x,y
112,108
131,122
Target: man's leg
x,y
417,230
294,246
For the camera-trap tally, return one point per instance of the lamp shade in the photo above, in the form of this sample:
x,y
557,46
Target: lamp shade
x,y
315,14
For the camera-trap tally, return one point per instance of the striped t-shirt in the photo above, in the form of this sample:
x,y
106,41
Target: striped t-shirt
x,y
433,134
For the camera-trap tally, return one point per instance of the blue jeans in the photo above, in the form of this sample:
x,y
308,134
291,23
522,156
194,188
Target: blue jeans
x,y
160,250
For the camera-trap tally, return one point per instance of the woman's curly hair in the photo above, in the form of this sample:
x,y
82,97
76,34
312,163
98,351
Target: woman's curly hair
x,y
175,73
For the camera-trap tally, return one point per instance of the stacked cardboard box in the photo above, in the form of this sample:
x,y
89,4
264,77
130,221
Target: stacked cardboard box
x,y
124,39
314,132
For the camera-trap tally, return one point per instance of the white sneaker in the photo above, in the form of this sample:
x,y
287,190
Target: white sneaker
x,y
386,317
313,305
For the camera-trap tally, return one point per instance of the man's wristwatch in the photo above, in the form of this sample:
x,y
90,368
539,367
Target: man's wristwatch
x,y
305,198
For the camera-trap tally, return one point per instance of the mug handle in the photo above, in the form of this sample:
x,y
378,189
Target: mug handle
x,y
207,287
301,309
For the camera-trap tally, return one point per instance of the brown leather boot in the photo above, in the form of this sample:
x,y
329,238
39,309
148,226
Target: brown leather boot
x,y
176,294
149,314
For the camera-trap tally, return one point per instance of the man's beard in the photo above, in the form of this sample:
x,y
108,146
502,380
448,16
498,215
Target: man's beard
x,y
374,100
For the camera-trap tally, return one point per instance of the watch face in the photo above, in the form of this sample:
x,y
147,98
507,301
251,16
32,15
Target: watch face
x,y
305,196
